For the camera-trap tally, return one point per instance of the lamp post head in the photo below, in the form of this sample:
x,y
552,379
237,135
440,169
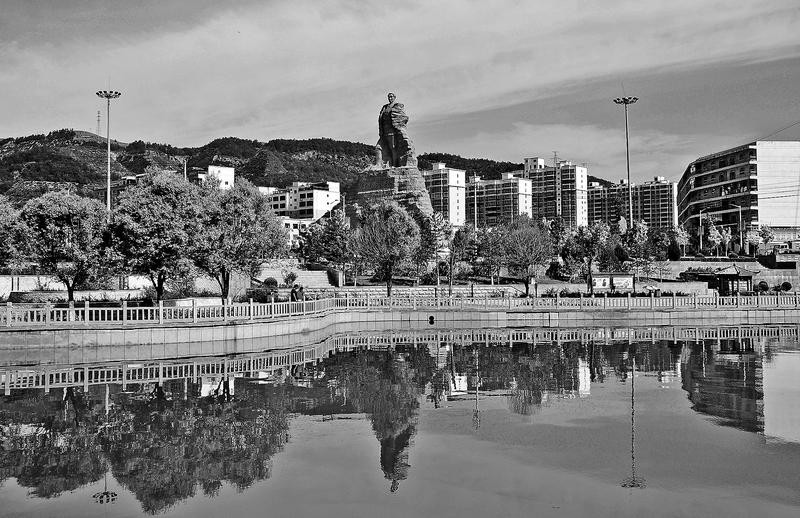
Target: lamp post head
x,y
626,100
108,94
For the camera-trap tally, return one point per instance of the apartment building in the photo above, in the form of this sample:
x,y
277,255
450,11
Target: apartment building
x,y
447,189
558,190
302,203
745,187
654,202
490,203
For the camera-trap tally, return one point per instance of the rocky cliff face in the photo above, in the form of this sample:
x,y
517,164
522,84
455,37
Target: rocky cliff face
x,y
404,185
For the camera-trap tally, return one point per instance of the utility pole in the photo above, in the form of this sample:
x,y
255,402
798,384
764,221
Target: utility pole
x,y
108,95
625,101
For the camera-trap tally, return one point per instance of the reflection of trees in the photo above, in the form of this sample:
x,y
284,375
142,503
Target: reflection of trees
x,y
50,445
163,451
386,385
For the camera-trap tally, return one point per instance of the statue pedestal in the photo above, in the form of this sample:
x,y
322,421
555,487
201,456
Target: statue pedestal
x,y
404,185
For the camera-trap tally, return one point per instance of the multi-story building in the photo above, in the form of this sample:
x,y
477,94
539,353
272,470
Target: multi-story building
x,y
490,203
558,190
302,203
303,200
447,189
654,202
745,187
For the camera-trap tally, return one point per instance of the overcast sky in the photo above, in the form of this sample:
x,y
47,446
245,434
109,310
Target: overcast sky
x,y
488,78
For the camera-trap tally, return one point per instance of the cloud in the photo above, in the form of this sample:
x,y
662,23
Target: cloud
x,y
305,68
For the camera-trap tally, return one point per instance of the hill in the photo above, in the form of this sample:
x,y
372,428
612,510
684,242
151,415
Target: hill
x,y
77,160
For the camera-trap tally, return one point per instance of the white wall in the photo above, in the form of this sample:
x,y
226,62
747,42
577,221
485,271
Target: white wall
x,y
778,176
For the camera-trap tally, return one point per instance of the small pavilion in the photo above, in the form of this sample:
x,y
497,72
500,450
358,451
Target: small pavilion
x,y
734,279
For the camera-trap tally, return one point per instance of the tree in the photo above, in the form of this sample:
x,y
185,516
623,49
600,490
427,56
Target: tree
x,y
9,219
766,233
586,243
725,238
435,233
154,226
490,252
387,238
637,245
462,248
527,248
237,232
713,235
326,240
63,233
753,238
681,237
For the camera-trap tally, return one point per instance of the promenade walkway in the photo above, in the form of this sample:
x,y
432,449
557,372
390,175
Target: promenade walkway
x,y
43,316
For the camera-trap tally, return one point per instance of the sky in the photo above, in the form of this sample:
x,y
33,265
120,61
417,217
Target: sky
x,y
499,79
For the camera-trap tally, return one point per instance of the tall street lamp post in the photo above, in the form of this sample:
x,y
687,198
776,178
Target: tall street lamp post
x,y
701,230
741,233
108,95
625,101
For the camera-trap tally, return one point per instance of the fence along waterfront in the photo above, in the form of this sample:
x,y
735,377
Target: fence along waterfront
x,y
46,315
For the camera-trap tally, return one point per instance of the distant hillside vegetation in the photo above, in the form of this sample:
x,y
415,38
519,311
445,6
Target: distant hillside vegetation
x,y
79,158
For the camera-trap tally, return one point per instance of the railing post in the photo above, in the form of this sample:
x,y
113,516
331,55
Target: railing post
x,y
580,300
346,299
160,311
605,300
652,300
367,300
224,311
71,311
738,299
716,299
47,308
558,299
86,311
694,296
8,315
250,303
486,301
629,301
674,300
124,312
194,310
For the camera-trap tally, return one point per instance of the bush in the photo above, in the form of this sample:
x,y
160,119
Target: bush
x,y
270,282
262,295
786,286
289,277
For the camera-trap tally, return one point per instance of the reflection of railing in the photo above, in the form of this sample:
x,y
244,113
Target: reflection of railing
x,y
23,315
149,371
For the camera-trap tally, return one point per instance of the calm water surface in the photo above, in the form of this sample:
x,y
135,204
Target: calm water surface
x,y
474,423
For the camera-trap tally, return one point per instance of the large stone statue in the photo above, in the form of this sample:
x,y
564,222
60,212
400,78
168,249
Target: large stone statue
x,y
394,144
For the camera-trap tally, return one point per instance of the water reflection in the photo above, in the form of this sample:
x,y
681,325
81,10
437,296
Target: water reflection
x,y
167,431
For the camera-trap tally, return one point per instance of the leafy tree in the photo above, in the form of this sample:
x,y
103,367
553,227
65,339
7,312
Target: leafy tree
x,y
585,245
713,235
490,252
238,231
527,248
462,248
387,239
725,238
8,233
154,226
753,238
766,233
435,234
63,233
681,236
637,246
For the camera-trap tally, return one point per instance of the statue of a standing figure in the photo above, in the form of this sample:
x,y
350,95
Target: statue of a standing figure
x,y
396,148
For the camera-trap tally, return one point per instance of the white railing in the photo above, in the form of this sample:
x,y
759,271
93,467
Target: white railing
x,y
37,315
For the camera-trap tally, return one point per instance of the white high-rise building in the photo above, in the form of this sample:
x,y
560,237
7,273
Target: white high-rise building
x,y
558,191
497,202
447,189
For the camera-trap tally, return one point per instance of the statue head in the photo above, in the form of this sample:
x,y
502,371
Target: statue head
x,y
391,97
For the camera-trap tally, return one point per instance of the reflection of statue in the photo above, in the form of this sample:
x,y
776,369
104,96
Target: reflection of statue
x,y
396,147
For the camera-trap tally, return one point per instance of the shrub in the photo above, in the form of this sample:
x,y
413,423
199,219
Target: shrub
x,y
289,277
270,282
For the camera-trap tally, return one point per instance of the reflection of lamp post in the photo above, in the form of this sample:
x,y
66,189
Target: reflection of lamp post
x,y
625,101
634,480
108,95
476,414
